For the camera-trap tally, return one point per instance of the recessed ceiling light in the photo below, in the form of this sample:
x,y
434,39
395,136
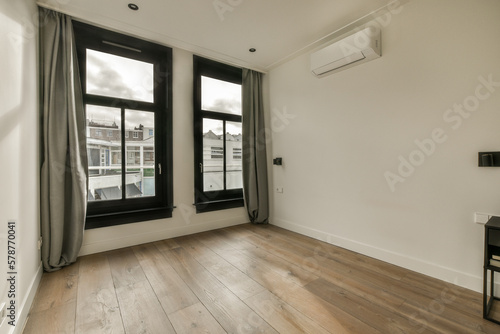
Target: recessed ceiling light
x,y
133,6
252,50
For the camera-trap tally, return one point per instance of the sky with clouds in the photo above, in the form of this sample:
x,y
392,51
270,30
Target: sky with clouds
x,y
115,76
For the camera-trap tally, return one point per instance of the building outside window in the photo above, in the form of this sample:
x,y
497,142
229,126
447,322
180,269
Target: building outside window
x,y
216,152
236,153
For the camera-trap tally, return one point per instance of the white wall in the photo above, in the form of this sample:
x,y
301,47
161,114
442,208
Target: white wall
x,y
184,220
344,132
19,166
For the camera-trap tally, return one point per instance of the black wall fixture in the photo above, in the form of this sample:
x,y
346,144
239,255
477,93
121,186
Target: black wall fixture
x,y
278,161
133,6
489,159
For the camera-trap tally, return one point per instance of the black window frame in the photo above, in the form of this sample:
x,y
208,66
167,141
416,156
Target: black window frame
x,y
206,201
132,210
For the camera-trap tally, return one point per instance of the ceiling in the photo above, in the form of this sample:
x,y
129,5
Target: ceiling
x,y
227,29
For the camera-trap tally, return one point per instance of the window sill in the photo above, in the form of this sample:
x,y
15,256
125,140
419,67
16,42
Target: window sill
x,y
106,220
219,205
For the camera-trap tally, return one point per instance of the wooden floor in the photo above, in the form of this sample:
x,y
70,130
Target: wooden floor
x,y
248,279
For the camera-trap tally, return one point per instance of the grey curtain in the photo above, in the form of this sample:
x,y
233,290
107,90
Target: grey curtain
x,y
255,187
63,188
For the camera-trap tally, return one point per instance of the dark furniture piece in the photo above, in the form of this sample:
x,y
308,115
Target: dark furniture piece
x,y
491,248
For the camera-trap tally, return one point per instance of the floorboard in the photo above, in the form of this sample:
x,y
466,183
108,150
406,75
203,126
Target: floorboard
x,y
97,307
139,306
249,279
195,319
171,290
233,315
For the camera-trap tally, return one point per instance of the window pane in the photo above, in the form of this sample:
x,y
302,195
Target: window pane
x,y
234,178
220,96
140,153
213,155
115,76
104,152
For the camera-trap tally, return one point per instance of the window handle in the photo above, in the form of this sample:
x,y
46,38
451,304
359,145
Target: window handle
x,y
159,169
201,168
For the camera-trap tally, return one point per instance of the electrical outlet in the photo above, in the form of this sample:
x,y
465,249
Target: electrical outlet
x,y
39,244
481,218
279,190
3,313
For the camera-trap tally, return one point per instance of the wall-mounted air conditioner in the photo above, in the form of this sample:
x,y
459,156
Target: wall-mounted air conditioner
x,y
353,50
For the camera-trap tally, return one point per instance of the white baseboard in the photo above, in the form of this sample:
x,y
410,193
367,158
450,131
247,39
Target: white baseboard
x,y
25,307
427,268
142,238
